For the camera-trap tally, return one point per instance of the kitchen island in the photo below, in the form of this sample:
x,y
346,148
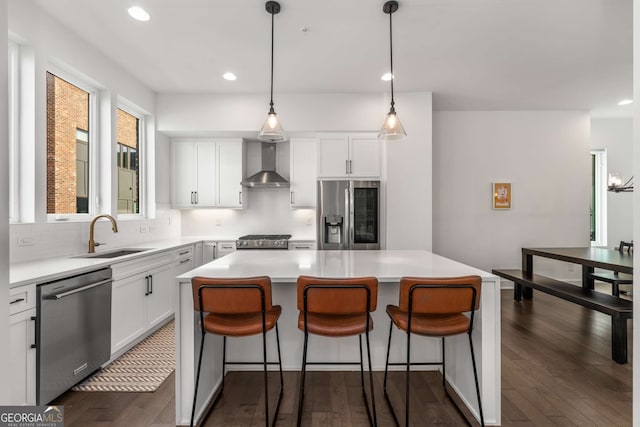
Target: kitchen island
x,y
284,267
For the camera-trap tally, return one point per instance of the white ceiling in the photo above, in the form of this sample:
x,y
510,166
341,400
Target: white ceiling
x,y
472,54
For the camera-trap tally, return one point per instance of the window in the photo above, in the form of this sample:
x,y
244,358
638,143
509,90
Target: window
x,y
598,206
128,149
69,147
14,141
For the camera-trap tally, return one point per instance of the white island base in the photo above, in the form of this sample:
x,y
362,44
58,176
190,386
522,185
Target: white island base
x,y
284,267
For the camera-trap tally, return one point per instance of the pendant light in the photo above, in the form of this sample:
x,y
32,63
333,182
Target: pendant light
x,y
392,129
272,130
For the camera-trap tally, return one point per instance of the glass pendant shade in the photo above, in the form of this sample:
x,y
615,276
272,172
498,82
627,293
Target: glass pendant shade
x,y
392,129
272,130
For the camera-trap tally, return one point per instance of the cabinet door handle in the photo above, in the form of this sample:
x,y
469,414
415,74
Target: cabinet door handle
x,y
33,318
302,247
146,278
350,167
185,260
239,197
292,198
15,301
151,284
183,253
346,167
196,197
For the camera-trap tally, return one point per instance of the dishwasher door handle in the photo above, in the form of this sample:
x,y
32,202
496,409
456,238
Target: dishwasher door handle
x,y
75,291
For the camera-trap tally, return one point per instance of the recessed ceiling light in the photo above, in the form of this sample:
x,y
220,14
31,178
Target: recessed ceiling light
x,y
229,76
387,77
626,102
138,13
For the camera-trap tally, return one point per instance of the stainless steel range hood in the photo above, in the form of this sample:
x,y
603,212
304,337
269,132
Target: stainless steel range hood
x,y
267,177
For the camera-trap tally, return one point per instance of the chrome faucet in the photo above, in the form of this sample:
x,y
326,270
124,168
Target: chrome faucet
x,y
114,227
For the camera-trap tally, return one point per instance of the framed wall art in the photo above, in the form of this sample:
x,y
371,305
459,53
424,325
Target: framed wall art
x,y
501,193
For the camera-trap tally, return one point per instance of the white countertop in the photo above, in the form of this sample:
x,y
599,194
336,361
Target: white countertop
x,y
286,266
39,271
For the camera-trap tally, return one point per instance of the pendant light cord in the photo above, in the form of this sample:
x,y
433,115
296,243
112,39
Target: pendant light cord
x,y
271,111
393,110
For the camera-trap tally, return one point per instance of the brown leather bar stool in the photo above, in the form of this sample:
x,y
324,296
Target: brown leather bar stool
x,y
337,308
237,307
434,307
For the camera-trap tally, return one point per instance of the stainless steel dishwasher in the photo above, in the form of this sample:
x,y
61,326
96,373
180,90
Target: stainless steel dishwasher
x,y
73,331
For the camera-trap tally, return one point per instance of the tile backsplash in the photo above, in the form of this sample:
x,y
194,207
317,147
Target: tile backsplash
x,y
46,240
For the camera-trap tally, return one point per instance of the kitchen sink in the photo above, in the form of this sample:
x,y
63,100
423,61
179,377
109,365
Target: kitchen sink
x,y
113,254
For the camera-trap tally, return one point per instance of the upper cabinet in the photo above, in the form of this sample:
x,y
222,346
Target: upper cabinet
x,y
207,173
303,172
349,156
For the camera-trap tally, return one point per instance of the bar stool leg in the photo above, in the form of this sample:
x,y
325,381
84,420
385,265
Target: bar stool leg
x,y
195,392
302,378
266,379
361,367
407,385
373,398
386,371
443,368
280,364
475,377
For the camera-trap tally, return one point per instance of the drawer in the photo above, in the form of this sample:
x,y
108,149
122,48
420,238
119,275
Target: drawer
x,y
140,264
183,253
22,298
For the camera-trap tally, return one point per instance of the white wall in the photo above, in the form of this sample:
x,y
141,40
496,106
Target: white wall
x,y
4,209
545,155
616,136
407,173
46,42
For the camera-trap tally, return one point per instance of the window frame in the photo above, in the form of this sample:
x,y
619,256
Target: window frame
x,y
14,130
139,114
600,186
94,145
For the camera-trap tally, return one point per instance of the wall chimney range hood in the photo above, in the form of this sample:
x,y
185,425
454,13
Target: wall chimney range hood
x,y
267,177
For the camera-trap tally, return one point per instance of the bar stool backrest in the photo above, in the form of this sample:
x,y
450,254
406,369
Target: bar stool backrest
x,y
337,298
442,295
232,296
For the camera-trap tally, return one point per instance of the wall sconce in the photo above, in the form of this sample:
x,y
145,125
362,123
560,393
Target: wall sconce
x,y
616,183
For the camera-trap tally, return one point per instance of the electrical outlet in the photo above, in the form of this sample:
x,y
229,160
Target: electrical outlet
x,y
26,241
308,220
572,268
143,228
218,222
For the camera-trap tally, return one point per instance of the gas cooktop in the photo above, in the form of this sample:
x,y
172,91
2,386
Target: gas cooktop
x,y
263,241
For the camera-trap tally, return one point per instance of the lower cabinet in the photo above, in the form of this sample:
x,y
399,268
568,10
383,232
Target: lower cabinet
x,y
142,295
22,358
225,248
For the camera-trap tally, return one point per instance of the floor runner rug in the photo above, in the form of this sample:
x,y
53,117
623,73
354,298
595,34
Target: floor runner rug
x,y
141,369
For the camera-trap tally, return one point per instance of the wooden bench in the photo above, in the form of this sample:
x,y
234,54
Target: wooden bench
x,y
619,309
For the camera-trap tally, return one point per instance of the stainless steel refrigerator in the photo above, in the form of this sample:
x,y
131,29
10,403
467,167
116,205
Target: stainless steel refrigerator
x,y
348,215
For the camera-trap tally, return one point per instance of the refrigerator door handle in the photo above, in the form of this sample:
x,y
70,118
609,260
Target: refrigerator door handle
x,y
347,219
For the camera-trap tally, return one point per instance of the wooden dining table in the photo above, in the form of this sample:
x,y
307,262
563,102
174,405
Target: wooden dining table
x,y
589,258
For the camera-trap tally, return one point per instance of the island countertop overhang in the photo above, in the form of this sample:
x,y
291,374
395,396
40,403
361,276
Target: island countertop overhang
x,y
285,266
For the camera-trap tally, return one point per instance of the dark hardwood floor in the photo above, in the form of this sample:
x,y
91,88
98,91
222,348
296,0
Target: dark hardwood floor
x,y
556,371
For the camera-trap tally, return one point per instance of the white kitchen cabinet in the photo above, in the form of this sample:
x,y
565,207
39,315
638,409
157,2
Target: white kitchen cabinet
x,y
142,294
230,169
207,173
225,248
22,350
349,156
303,172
